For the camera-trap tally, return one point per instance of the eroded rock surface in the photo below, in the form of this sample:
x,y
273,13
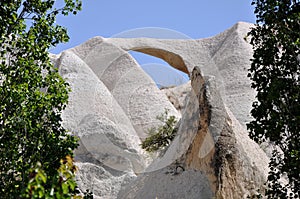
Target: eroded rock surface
x,y
114,102
108,141
225,56
178,95
130,86
207,146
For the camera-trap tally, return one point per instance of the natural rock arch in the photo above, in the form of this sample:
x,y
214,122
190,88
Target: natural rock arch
x,y
171,58
159,48
112,99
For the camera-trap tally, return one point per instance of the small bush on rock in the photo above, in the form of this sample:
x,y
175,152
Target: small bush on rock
x,y
162,136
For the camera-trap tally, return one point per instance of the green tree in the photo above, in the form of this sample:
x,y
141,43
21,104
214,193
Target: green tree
x,y
63,184
275,73
162,136
32,94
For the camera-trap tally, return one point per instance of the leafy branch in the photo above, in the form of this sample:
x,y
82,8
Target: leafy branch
x,y
162,136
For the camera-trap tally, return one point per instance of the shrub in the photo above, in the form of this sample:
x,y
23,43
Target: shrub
x,y
162,136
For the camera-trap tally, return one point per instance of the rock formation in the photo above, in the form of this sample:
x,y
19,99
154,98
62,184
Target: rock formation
x,y
210,157
225,56
114,102
178,95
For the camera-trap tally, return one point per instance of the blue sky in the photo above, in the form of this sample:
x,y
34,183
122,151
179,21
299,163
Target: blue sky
x,y
193,18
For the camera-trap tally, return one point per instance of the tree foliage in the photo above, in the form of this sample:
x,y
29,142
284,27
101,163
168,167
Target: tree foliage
x,y
275,73
162,136
63,183
32,94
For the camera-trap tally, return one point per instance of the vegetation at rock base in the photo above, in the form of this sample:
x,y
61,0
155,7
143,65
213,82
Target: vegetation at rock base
x,y
63,184
275,74
35,150
162,136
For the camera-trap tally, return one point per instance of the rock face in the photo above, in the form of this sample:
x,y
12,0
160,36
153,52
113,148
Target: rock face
x,y
225,56
114,102
134,90
112,105
210,156
178,95
108,141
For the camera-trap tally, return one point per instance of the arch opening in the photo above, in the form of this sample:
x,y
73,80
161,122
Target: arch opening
x,y
163,74
171,58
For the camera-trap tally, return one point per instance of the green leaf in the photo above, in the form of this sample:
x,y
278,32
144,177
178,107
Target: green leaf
x,y
30,130
275,73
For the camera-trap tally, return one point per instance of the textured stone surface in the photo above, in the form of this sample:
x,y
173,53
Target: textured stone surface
x,y
178,95
132,88
211,154
107,137
113,103
101,181
164,183
225,56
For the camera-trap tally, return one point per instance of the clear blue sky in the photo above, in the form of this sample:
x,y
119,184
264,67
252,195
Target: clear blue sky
x,y
194,18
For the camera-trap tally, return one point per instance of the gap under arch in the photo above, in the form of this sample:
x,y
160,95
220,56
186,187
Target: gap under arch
x,y
171,58
163,74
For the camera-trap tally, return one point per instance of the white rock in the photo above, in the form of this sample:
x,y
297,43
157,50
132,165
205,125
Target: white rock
x,y
100,181
132,88
178,95
211,156
107,137
113,103
225,56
